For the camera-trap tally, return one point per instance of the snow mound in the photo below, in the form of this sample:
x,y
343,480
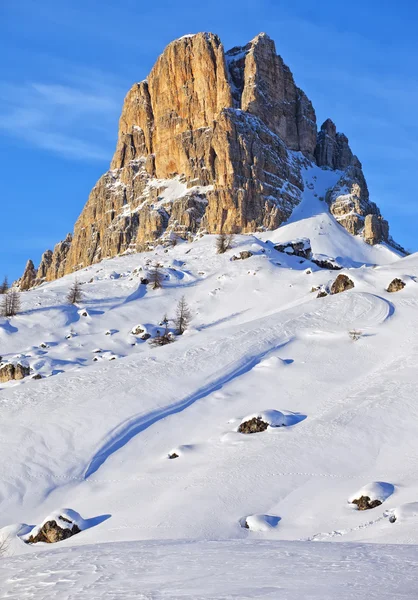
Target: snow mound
x,y
273,418
65,518
404,512
378,490
260,523
273,362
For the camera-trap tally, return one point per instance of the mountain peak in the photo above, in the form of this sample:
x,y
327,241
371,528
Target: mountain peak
x,y
209,142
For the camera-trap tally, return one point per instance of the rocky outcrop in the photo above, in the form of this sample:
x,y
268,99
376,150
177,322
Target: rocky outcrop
x,y
341,284
332,149
349,199
254,425
264,86
396,285
242,255
52,532
13,371
211,141
364,503
376,229
44,265
300,248
53,265
29,276
350,204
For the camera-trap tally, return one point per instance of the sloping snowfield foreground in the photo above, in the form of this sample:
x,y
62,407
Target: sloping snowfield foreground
x,y
214,571
336,377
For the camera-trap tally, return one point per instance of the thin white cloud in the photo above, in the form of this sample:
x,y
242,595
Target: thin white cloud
x,y
76,119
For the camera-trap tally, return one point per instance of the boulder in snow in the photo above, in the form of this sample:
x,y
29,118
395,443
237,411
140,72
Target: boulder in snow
x,y
341,284
372,495
300,247
138,330
242,255
325,262
58,526
261,421
396,285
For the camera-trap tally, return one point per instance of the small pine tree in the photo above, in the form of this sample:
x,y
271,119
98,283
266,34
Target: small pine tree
x,y
183,316
156,277
165,338
10,304
4,286
75,293
224,242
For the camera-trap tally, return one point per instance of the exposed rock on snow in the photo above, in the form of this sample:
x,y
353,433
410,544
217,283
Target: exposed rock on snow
x,y
322,294
396,285
365,503
139,330
242,255
325,262
13,370
372,495
58,526
300,248
260,422
341,284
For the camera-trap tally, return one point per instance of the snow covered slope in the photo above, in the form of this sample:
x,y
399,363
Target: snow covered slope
x,y
95,435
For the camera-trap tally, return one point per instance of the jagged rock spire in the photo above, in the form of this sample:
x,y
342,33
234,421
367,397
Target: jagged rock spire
x,y
210,141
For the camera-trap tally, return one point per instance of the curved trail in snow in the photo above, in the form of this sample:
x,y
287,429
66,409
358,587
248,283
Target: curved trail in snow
x,y
250,346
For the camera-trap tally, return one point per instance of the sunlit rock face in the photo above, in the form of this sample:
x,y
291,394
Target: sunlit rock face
x,y
212,141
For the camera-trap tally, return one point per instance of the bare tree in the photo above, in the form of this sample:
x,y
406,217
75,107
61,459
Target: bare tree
x,y
183,316
4,545
156,277
4,286
10,304
224,242
163,338
75,293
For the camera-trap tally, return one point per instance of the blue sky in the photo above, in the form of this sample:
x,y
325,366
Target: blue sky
x,y
65,67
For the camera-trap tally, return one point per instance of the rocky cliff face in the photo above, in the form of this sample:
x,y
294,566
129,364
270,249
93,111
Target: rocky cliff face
x,y
212,141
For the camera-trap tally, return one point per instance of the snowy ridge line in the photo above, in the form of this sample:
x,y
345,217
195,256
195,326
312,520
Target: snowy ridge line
x,y
130,428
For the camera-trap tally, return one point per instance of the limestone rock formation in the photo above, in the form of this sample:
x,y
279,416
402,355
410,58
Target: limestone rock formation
x,y
29,276
212,141
13,371
44,265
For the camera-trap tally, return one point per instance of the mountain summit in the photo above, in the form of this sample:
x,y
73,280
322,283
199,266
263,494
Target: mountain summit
x,y
212,141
